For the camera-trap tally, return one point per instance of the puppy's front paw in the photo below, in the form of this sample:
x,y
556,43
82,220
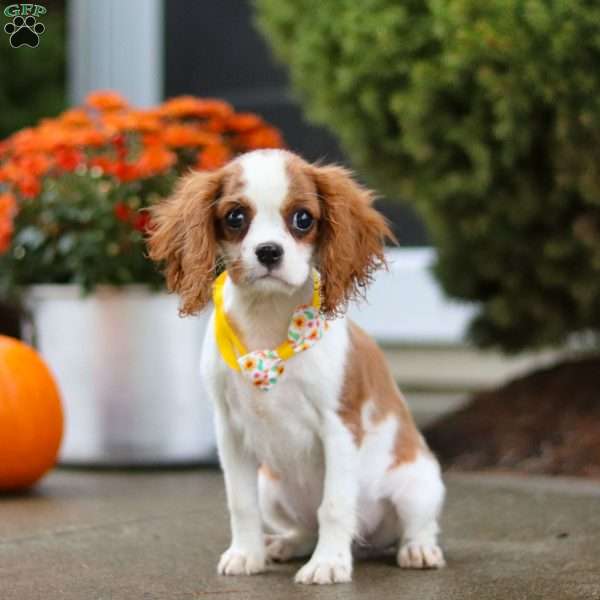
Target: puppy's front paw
x,y
415,555
235,562
323,570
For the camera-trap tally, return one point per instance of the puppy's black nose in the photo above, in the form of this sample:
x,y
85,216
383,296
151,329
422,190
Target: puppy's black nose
x,y
269,254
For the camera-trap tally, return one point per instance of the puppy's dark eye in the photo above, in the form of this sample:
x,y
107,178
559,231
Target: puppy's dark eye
x,y
236,218
302,220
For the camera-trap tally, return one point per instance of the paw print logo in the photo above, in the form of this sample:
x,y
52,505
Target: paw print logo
x,y
24,32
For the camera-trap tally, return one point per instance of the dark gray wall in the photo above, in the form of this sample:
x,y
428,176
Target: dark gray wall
x,y
213,49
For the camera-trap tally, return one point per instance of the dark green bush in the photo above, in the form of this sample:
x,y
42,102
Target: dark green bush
x,y
32,79
486,114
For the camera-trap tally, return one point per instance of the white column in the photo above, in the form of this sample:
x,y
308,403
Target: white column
x,y
116,44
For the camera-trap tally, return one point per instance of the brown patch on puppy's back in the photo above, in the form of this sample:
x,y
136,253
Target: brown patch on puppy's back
x,y
368,379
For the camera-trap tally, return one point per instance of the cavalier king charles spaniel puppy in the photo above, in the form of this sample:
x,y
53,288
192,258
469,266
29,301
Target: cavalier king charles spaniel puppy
x,y
320,454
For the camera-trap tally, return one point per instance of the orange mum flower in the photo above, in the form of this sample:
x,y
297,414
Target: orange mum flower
x,y
265,137
4,147
29,186
147,120
76,117
89,137
152,139
105,100
213,157
243,122
10,172
215,125
185,135
155,159
125,172
25,140
189,106
116,122
8,206
35,165
68,159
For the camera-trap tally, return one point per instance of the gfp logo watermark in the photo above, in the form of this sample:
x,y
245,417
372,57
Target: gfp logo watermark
x,y
24,29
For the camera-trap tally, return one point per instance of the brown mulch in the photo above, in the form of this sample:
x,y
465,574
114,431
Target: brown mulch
x,y
545,422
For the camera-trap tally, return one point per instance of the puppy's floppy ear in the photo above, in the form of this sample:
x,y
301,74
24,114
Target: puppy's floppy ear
x,y
352,237
183,237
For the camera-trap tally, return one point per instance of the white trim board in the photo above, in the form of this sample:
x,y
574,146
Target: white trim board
x,y
405,305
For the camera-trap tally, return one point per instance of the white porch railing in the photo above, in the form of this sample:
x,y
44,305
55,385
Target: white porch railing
x,y
116,44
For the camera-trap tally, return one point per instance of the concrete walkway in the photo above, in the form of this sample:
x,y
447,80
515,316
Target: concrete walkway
x,y
158,535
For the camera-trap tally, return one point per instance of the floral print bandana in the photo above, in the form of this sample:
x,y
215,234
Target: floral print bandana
x,y
263,368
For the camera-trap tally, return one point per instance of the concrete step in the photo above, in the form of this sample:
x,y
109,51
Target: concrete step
x,y
459,368
427,407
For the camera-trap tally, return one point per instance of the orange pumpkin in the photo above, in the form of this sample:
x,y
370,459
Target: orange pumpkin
x,y
31,417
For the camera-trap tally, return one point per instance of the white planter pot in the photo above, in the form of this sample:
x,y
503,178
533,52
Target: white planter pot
x,y
128,370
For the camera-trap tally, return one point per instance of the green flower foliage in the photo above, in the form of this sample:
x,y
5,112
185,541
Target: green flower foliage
x,y
84,229
487,116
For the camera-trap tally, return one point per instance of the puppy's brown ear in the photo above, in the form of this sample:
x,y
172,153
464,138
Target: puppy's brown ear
x,y
352,237
183,238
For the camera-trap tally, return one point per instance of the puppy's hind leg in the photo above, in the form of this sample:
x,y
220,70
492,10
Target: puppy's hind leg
x,y
285,538
418,495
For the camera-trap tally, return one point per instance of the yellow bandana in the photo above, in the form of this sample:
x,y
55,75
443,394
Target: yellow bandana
x,y
264,367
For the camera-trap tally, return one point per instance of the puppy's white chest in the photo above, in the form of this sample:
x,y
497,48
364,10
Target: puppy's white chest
x,y
279,426
283,426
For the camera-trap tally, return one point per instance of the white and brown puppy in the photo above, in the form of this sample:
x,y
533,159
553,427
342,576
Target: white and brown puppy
x,y
330,456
